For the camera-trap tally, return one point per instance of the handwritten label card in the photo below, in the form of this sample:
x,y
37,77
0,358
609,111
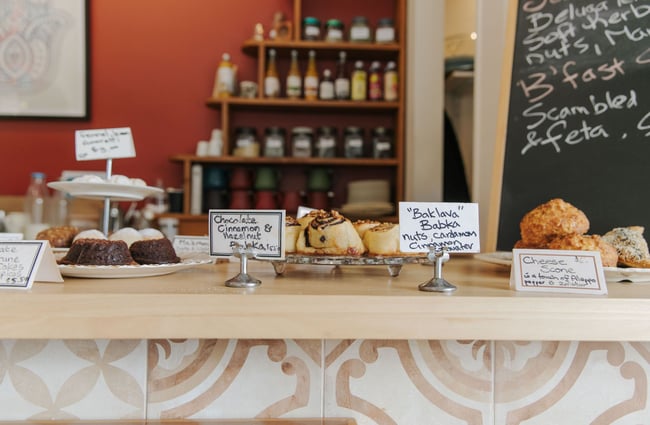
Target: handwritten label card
x,y
191,244
104,144
425,225
545,270
263,230
23,262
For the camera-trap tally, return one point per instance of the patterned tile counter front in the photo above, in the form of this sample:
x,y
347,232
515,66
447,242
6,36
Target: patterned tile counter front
x,y
100,369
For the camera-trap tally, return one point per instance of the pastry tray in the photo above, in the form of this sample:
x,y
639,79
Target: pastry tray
x,y
394,263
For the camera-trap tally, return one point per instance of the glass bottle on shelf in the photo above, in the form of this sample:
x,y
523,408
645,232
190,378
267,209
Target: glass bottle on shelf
x,y
326,87
391,82
375,83
311,78
225,77
359,82
271,79
341,81
294,79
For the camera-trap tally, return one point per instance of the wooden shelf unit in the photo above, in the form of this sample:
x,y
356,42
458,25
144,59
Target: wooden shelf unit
x,y
393,111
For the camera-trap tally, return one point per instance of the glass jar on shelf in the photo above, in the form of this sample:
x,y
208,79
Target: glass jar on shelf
x,y
274,142
334,30
360,30
385,31
325,146
382,142
302,140
311,28
353,142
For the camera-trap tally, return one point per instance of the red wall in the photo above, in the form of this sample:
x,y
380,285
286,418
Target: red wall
x,y
152,69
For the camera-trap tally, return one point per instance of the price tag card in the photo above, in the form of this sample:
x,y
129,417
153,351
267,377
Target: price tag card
x,y
546,270
425,225
23,262
8,237
104,144
263,230
191,244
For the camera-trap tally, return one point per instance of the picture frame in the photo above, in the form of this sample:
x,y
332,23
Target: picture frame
x,y
44,64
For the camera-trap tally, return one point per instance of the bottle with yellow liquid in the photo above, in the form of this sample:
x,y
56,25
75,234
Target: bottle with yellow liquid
x,y
294,79
311,78
225,84
359,90
271,79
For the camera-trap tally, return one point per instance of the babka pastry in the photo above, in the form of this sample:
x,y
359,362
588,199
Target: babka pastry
x,y
291,231
89,234
608,254
362,226
98,252
631,246
58,236
154,251
382,239
329,233
547,221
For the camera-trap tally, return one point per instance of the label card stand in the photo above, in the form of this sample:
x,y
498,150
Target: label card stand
x,y
243,279
107,200
437,283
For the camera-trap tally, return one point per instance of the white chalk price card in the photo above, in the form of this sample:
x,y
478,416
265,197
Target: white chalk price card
x,y
261,230
438,225
104,144
568,271
23,262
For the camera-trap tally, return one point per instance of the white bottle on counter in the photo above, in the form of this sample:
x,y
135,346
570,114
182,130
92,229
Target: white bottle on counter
x,y
196,195
36,202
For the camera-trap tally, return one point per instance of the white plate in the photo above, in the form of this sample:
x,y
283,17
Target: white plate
x,y
117,272
612,274
622,274
117,192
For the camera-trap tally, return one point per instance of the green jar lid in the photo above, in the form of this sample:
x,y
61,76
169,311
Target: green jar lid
x,y
334,23
310,20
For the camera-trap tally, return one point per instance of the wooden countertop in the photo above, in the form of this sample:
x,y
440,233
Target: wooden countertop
x,y
322,302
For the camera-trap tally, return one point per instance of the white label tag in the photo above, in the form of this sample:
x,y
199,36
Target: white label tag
x,y
452,226
545,270
104,144
263,230
23,262
191,244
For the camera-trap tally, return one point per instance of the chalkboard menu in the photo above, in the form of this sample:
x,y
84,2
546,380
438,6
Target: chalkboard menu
x,y
578,121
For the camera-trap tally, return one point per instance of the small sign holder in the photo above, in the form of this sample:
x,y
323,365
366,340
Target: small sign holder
x,y
243,279
107,200
106,144
437,283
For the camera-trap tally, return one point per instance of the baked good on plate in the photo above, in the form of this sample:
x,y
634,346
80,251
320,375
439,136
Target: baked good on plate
x,y
382,239
154,251
58,236
362,225
630,245
291,231
126,234
89,234
329,233
608,254
548,221
98,252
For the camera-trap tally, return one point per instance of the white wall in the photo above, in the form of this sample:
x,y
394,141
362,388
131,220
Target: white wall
x,y
425,96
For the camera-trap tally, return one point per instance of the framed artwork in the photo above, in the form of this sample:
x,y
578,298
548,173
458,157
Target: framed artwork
x,y
44,69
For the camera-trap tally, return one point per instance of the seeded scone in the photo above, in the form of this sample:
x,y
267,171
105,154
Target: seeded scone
x,y
630,245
